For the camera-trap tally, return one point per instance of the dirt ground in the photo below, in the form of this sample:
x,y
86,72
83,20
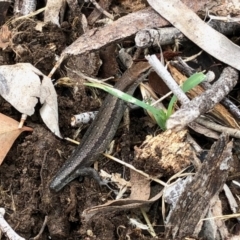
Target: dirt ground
x,y
35,157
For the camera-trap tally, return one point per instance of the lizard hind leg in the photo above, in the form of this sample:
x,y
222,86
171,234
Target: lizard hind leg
x,y
90,172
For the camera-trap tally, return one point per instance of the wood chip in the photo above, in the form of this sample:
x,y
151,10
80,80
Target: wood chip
x,y
194,202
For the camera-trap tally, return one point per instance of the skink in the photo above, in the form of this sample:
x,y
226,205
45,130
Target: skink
x,y
101,132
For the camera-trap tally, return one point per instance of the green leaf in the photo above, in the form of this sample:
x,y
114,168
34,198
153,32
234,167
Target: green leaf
x,y
159,115
190,83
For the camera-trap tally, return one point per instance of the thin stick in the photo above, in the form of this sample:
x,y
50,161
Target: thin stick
x,y
167,78
41,230
136,170
126,165
100,9
211,125
72,141
23,118
150,227
90,79
56,66
29,15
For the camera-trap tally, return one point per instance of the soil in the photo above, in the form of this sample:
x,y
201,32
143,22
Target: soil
x,y
35,157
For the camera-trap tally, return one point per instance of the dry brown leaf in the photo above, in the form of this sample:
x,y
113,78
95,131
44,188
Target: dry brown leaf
x,y
9,131
157,84
118,205
5,36
140,187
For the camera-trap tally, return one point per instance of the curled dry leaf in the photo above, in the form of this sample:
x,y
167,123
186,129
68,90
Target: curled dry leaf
x,y
9,131
118,205
23,85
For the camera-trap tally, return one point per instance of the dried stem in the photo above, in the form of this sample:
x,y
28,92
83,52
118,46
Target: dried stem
x,y
230,131
99,8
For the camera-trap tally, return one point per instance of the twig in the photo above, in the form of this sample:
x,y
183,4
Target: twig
x,y
72,141
232,108
23,118
167,78
96,14
227,18
191,110
154,37
56,66
230,131
150,227
41,230
126,165
136,170
168,35
29,15
6,229
85,117
99,8
90,79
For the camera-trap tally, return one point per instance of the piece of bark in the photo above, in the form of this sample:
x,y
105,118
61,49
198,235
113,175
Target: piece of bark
x,y
120,29
214,228
95,39
193,203
24,7
164,154
54,11
109,65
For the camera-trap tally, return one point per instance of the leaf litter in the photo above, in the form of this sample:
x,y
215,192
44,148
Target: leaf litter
x,y
40,155
23,85
9,131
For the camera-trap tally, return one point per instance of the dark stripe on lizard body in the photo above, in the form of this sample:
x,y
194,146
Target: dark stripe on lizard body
x,y
102,130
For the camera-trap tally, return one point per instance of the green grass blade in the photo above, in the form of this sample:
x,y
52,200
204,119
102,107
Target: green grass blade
x,y
159,115
190,83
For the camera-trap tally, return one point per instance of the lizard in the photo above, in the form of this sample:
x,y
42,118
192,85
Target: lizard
x,y
101,131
